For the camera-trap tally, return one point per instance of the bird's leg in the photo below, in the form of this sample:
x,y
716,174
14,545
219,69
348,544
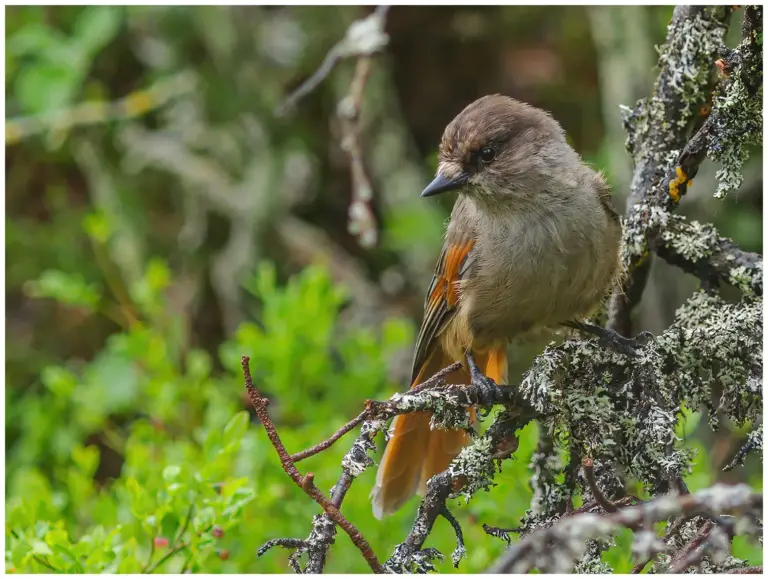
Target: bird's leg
x,y
485,384
613,339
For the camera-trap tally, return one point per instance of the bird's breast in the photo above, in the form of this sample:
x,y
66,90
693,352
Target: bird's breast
x,y
536,269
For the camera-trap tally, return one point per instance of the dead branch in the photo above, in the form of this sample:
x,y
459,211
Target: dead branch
x,y
260,404
330,441
363,38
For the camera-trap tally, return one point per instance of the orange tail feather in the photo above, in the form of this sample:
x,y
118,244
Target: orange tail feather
x,y
415,453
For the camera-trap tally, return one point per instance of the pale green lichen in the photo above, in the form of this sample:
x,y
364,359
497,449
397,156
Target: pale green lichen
x,y
476,463
714,342
686,59
744,279
739,126
696,244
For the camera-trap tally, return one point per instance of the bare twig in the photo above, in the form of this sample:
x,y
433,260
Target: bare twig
x,y
754,442
691,553
758,570
435,380
329,442
362,222
501,533
364,37
260,404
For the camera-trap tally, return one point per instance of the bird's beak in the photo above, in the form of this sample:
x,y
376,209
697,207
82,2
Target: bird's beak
x,y
442,184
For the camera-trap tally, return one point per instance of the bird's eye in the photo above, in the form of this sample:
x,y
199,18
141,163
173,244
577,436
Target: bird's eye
x,y
487,154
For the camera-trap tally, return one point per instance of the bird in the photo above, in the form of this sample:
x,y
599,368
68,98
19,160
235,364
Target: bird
x,y
532,242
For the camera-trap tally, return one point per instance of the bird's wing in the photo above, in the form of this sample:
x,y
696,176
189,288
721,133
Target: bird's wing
x,y
442,298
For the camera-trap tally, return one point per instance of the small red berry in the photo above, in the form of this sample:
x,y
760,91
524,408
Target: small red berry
x,y
217,532
223,554
161,542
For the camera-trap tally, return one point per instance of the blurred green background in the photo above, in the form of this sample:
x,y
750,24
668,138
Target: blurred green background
x,y
153,242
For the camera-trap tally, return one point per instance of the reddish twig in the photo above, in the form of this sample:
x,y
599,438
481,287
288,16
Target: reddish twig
x,y
691,553
758,570
436,379
177,549
306,483
318,448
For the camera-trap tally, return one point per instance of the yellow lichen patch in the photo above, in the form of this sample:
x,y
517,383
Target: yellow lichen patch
x,y
674,185
138,103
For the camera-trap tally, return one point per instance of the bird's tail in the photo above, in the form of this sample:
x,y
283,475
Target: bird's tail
x,y
415,453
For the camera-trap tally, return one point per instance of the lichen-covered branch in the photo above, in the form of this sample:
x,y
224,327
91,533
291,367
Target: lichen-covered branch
x,y
698,249
658,129
556,548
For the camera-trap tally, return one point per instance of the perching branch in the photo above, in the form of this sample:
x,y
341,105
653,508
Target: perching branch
x,y
554,549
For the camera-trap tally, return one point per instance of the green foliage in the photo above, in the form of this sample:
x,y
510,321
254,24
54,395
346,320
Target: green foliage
x,y
51,66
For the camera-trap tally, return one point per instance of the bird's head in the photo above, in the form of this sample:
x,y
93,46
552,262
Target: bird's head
x,y
496,149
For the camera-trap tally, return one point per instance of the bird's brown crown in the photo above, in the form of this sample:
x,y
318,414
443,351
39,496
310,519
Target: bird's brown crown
x,y
496,121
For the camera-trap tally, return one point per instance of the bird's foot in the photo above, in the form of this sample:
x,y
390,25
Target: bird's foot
x,y
485,385
613,339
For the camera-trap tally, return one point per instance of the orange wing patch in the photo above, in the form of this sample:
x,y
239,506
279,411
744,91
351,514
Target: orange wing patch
x,y
442,299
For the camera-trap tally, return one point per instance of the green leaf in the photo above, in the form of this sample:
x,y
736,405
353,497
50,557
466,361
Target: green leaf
x,y
236,428
98,227
171,472
69,289
39,547
46,86
59,380
35,38
86,458
97,26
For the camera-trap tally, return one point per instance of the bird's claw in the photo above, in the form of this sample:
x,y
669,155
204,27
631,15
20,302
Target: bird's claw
x,y
485,385
613,339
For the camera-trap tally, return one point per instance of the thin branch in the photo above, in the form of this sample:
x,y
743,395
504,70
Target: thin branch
x,y
754,443
435,380
329,442
260,404
501,533
758,570
364,37
133,105
698,249
461,551
171,552
693,552
281,542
